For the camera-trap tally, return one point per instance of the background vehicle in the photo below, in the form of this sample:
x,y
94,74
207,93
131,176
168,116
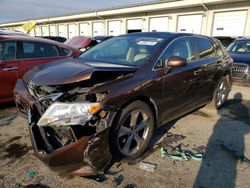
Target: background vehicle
x,y
225,40
55,38
18,54
81,42
109,100
102,38
239,50
10,32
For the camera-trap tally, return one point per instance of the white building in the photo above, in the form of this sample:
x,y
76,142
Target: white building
x,y
208,17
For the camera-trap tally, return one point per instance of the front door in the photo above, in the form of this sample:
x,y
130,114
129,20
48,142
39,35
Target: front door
x,y
181,84
9,70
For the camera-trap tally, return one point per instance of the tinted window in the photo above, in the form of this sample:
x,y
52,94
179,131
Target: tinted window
x,y
7,50
204,47
38,50
240,46
180,47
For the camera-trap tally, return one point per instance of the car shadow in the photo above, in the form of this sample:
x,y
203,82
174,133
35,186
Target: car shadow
x,y
225,146
156,141
8,113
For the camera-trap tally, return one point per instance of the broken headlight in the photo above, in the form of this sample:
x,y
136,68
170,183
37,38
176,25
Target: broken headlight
x,y
60,114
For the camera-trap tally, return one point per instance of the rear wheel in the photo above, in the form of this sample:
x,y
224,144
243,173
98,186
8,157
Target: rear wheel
x,y
132,131
220,94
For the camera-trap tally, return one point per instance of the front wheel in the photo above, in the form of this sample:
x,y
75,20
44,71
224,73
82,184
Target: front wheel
x,y
220,94
131,131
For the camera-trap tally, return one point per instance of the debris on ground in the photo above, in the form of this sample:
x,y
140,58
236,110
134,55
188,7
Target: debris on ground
x,y
7,120
98,177
172,138
130,185
200,149
178,154
31,173
118,179
234,153
168,139
150,167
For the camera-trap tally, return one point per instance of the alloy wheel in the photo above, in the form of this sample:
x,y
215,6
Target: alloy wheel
x,y
133,132
221,93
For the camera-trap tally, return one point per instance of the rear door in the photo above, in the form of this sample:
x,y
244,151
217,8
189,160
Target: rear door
x,y
35,53
9,69
181,84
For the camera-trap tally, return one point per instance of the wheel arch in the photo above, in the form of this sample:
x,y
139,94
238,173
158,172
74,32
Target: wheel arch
x,y
149,101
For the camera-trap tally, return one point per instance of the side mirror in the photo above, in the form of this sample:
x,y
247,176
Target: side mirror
x,y
175,61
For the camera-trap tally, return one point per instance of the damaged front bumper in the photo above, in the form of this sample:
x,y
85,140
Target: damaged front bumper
x,y
76,150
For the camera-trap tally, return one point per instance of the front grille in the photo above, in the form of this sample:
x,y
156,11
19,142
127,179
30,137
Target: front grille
x,y
239,70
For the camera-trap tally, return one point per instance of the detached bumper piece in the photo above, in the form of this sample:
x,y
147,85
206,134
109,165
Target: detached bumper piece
x,y
77,150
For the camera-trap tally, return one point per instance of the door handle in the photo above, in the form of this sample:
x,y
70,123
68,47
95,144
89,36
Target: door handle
x,y
10,68
197,72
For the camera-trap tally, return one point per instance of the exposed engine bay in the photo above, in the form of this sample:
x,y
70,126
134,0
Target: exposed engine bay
x,y
62,115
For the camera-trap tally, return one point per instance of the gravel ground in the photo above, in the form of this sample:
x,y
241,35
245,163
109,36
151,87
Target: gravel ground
x,y
204,129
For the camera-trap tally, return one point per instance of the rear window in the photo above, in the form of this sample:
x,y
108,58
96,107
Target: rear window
x,y
7,50
204,47
39,50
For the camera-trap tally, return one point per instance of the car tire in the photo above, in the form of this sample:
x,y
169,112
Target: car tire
x,y
220,94
131,131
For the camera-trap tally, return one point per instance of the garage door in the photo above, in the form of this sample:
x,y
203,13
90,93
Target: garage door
x,y
97,28
229,23
190,23
52,30
72,30
134,25
32,33
84,29
38,31
45,30
61,31
158,24
114,27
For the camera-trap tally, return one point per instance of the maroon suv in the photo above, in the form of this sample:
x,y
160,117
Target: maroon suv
x,y
107,103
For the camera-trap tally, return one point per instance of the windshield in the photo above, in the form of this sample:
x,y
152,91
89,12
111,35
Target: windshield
x,y
124,50
240,46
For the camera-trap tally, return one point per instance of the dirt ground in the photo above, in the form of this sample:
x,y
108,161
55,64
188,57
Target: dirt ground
x,y
229,127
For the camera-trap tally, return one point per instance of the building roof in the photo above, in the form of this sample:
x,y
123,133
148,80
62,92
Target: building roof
x,y
145,6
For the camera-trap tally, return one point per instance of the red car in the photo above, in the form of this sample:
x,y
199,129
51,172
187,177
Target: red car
x,y
18,54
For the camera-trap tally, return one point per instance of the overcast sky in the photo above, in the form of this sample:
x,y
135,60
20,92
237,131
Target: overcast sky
x,y
14,10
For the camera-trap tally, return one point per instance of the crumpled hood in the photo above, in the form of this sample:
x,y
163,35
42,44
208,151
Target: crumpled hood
x,y
69,71
240,58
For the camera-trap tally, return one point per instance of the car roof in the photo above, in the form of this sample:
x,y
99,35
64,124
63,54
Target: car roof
x,y
243,38
32,39
164,35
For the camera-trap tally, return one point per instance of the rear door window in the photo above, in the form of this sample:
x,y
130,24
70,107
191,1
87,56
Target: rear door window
x,y
204,47
39,50
7,50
